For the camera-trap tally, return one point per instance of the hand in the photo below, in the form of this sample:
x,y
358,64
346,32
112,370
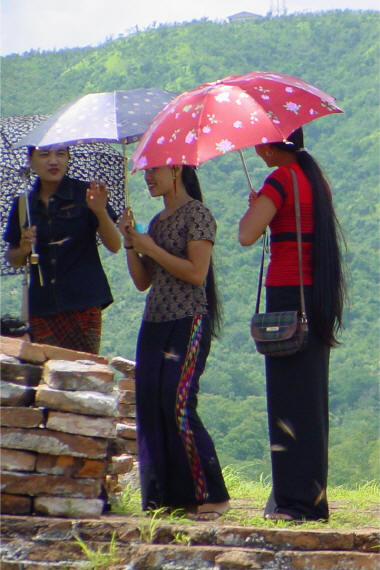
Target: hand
x,y
96,196
253,195
126,224
28,239
142,243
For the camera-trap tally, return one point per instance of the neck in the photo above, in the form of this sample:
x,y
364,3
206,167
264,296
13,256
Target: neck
x,y
172,200
285,158
47,189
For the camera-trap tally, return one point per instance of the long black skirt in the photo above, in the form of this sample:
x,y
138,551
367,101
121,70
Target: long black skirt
x,y
297,401
177,459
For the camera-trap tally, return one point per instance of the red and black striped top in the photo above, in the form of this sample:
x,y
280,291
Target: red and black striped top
x,y
283,265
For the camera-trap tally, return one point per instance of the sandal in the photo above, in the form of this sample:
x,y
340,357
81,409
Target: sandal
x,y
279,517
204,516
282,517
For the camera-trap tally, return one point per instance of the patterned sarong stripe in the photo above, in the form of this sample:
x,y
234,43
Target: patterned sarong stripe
x,y
185,431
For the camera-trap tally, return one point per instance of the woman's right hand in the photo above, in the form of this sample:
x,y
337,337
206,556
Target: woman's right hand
x,y
126,223
27,240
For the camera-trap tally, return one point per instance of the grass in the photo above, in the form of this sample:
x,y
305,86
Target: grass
x,y
352,508
99,559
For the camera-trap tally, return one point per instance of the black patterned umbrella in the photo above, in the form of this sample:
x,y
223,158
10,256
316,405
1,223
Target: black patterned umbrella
x,y
95,161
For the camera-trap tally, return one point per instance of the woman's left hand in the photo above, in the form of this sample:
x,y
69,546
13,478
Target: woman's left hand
x,y
96,196
142,243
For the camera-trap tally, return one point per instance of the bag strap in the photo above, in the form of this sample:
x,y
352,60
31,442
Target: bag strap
x,y
22,216
258,297
297,212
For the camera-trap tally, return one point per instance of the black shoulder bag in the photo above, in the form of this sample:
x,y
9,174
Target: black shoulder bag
x,y
283,333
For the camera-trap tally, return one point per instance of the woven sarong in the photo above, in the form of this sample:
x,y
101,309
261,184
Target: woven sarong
x,y
78,330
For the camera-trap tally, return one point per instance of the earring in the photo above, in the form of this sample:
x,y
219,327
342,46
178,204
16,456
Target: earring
x,y
174,177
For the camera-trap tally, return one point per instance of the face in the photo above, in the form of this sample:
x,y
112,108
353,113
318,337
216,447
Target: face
x,y
50,165
159,180
265,151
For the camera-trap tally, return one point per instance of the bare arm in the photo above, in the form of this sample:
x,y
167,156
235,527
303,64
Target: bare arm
x,y
138,270
96,198
192,269
137,267
255,220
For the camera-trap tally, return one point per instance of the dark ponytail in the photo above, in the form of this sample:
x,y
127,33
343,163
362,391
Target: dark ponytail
x,y
191,183
329,289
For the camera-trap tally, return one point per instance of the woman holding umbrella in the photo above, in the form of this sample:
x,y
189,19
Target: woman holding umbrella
x,y
297,385
178,464
68,287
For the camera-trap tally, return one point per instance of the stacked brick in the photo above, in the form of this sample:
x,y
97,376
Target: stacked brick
x,y
60,436
126,423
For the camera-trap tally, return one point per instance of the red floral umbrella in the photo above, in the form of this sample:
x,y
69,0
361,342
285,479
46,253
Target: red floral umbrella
x,y
230,114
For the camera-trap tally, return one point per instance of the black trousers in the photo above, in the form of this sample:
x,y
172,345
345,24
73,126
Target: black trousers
x,y
297,401
177,459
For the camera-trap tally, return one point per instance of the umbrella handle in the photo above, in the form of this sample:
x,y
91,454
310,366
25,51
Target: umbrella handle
x,y
34,258
245,169
125,167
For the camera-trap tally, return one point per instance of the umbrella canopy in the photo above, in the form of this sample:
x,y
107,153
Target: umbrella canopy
x,y
230,114
87,162
115,116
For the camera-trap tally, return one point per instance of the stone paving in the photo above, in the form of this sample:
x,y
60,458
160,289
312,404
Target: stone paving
x,y
145,543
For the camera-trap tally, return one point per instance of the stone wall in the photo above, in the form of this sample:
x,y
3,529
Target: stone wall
x,y
68,429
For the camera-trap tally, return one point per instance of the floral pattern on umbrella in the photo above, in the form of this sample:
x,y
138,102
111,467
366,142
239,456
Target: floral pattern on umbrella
x,y
230,114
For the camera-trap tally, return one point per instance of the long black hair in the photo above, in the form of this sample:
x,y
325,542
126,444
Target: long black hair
x,y
191,183
329,288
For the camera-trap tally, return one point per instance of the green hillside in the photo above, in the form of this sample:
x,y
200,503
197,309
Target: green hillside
x,y
337,51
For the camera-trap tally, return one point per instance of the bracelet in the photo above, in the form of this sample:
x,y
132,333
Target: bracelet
x,y
128,247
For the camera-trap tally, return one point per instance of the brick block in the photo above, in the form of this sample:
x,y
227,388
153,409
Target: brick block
x,y
21,417
15,460
54,442
126,384
126,410
15,504
70,466
24,373
123,365
16,395
126,397
88,403
68,507
22,349
81,424
126,430
39,353
120,465
35,484
78,375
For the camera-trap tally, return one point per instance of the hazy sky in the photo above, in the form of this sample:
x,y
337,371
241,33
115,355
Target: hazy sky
x,y
55,24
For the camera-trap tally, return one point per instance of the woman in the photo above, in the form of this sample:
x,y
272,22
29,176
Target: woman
x,y
178,464
297,386
68,288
